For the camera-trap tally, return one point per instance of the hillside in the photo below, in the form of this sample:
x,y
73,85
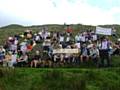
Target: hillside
x,y
13,29
64,78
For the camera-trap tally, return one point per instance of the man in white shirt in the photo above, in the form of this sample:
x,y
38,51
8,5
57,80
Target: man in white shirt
x,y
82,38
77,38
68,40
94,37
84,53
104,51
23,47
37,38
13,47
13,59
61,39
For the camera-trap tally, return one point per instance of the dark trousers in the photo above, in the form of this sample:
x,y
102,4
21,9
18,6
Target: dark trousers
x,y
104,55
96,61
21,64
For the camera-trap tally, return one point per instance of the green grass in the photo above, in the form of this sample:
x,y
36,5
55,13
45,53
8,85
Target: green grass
x,y
59,79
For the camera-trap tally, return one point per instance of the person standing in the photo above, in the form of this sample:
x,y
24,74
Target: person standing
x,y
104,52
36,59
69,29
13,59
7,60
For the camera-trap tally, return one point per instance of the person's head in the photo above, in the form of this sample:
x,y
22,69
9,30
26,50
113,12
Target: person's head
x,y
94,46
68,26
37,52
107,38
84,45
103,38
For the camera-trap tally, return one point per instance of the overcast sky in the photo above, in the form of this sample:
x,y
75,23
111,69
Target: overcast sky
x,y
38,12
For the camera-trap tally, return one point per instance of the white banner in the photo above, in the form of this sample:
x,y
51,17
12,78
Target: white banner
x,y
103,31
65,51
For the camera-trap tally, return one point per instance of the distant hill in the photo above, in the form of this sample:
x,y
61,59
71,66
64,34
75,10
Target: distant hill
x,y
12,26
51,27
57,26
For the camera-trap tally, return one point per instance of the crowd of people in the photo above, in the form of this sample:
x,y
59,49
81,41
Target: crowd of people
x,y
92,47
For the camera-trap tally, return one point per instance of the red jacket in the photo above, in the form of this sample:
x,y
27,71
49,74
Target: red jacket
x,y
69,30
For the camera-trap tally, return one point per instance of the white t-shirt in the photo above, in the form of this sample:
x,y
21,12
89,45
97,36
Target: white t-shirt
x,y
94,52
13,47
44,36
94,37
61,38
14,58
23,48
48,33
67,39
83,38
47,42
104,45
37,38
78,45
77,38
16,42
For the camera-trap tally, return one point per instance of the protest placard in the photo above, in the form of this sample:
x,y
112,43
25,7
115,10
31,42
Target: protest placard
x,y
65,51
103,31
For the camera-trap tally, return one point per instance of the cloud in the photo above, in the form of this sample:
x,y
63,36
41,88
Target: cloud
x,y
32,12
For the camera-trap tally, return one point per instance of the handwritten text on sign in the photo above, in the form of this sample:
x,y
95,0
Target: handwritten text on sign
x,y
65,51
103,31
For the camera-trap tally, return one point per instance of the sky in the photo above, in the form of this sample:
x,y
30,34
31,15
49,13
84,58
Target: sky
x,y
39,12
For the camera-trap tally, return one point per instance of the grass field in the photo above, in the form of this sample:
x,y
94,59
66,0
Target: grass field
x,y
82,78
60,79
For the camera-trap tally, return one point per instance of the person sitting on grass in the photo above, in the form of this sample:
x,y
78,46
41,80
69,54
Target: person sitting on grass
x,y
23,46
84,53
37,38
13,61
94,54
36,59
61,39
116,49
22,61
7,60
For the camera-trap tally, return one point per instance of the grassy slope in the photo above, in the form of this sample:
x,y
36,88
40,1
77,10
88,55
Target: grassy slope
x,y
58,79
11,30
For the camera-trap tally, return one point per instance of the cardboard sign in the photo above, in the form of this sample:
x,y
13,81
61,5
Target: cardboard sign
x,y
103,31
55,51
